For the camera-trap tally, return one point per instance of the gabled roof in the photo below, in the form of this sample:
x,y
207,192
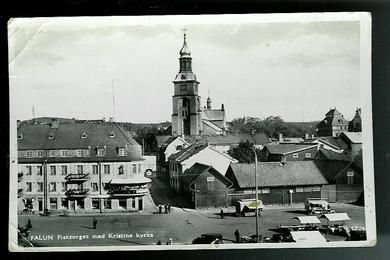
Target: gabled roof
x,y
273,174
213,114
162,139
68,137
333,112
333,141
332,155
331,169
212,125
191,174
188,152
353,137
288,148
234,139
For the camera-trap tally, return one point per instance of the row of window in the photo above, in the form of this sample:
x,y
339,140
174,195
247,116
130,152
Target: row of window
x,y
64,186
81,169
100,152
296,155
297,189
80,204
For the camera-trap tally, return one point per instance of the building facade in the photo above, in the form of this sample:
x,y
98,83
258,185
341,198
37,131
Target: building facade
x,y
333,124
73,167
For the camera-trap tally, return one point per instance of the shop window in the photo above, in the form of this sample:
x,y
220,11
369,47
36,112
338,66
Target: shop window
x,y
64,203
53,203
298,189
107,203
95,203
80,204
28,203
123,203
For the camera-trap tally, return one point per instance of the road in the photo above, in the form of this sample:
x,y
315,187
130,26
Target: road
x,y
147,228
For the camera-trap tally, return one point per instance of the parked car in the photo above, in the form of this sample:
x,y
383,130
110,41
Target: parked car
x,y
317,206
208,238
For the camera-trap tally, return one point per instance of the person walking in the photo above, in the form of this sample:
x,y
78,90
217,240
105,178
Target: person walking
x,y
159,209
221,213
169,208
165,208
159,242
237,235
94,223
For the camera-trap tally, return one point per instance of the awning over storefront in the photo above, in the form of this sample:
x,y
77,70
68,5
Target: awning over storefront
x,y
308,220
307,236
336,217
133,180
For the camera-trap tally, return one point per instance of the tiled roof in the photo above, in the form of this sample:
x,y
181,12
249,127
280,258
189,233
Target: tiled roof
x,y
197,169
333,156
188,152
354,137
288,148
333,112
212,125
232,139
213,114
334,141
331,169
68,137
272,174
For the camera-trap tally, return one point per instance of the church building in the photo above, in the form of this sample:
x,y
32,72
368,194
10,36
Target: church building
x,y
188,116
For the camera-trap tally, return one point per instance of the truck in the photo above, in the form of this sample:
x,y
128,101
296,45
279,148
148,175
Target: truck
x,y
248,207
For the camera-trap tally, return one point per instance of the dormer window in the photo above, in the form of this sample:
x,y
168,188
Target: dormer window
x,y
51,136
84,135
112,134
99,152
20,136
122,151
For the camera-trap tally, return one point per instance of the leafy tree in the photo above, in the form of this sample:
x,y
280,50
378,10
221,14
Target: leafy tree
x,y
244,153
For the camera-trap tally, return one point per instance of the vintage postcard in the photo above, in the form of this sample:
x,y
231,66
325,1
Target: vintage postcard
x,y
191,132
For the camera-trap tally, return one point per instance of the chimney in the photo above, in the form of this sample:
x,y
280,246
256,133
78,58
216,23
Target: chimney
x,y
223,107
280,137
55,122
111,119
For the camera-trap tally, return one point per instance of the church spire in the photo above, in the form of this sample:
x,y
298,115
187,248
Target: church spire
x,y
208,101
185,51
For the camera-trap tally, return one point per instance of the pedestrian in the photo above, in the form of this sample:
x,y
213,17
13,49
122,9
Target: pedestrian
x,y
221,213
159,209
169,208
170,241
165,208
237,235
29,225
159,242
94,223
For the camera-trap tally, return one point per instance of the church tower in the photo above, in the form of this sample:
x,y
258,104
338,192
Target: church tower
x,y
186,112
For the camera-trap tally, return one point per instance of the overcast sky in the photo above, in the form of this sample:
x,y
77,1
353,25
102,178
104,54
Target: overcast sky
x,y
297,70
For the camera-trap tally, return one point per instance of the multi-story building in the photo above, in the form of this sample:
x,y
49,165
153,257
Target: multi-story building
x,y
333,124
80,167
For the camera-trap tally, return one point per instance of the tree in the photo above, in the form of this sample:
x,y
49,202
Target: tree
x,y
244,153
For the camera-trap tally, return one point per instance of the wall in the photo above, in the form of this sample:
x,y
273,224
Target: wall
x,y
211,194
348,193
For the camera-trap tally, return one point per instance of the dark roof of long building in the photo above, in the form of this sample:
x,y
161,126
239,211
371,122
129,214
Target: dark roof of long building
x,y
191,174
68,136
288,148
332,156
273,174
234,139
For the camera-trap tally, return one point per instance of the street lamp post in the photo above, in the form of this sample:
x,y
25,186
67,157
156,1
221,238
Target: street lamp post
x,y
257,198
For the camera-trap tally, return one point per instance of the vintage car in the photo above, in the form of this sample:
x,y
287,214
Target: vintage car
x,y
208,238
317,206
248,207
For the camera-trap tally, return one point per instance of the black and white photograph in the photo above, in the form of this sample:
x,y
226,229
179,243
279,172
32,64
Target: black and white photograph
x,y
191,132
